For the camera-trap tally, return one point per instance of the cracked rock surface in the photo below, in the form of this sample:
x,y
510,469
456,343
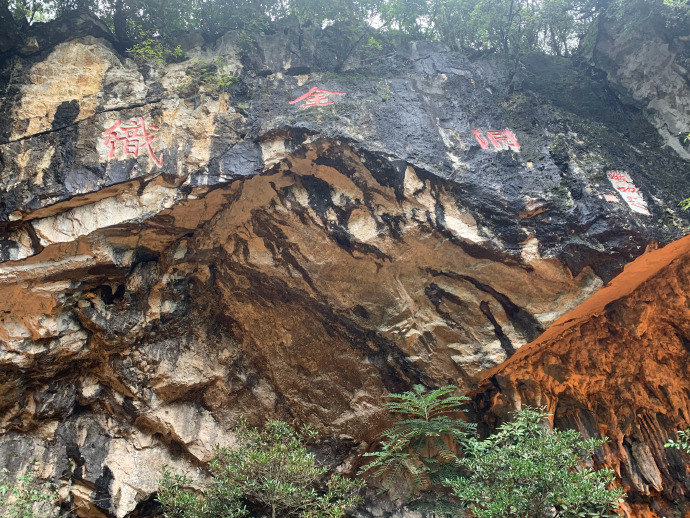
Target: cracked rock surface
x,y
238,254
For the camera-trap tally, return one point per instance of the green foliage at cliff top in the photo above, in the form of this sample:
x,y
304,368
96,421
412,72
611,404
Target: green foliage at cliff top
x,y
506,26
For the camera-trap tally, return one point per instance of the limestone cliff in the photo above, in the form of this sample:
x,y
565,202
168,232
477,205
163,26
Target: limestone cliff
x,y
294,247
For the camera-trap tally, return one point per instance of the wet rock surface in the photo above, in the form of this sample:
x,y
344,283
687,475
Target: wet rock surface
x,y
173,258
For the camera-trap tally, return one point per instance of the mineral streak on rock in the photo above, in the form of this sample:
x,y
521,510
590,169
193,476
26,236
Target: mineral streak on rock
x,y
287,262
617,365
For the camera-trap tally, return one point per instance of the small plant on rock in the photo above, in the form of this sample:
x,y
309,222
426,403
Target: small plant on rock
x,y
150,48
683,442
208,77
148,52
27,497
372,48
383,88
152,52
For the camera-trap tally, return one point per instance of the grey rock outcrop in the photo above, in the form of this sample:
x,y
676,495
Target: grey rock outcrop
x,y
650,67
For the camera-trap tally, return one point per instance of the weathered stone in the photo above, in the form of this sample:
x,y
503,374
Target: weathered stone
x,y
652,69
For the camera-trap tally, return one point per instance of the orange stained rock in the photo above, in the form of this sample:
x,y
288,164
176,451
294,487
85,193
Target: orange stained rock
x,y
633,275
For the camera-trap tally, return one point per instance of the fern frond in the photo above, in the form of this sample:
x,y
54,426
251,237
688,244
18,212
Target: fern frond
x,y
417,445
392,476
443,450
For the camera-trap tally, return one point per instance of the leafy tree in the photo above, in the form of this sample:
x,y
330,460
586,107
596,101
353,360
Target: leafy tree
x,y
454,24
507,26
528,470
511,27
270,469
26,497
25,11
423,441
319,11
633,16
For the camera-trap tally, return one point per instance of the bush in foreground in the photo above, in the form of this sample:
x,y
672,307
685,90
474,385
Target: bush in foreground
x,y
269,471
27,497
528,470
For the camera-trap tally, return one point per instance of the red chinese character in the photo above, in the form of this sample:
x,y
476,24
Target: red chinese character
x,y
499,138
637,202
482,141
316,97
627,189
618,177
133,138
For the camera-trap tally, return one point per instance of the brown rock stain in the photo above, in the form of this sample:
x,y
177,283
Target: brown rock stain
x,y
620,362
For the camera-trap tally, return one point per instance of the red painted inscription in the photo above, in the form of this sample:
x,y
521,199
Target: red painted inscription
x,y
482,141
501,139
623,183
316,97
134,138
618,177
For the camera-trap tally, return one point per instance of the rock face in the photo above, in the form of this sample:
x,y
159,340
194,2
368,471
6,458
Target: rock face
x,y
616,366
174,256
650,67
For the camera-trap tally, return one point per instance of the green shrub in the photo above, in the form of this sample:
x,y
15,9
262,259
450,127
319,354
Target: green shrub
x,y
270,470
528,470
177,497
150,48
27,497
153,52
